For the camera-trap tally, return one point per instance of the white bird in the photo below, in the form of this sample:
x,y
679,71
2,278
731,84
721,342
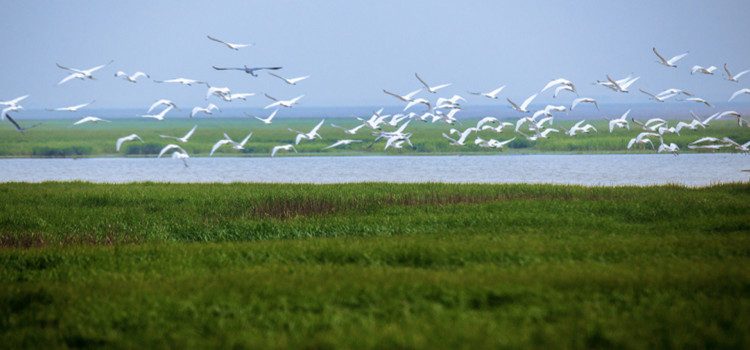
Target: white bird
x,y
739,92
352,131
89,119
705,139
283,103
672,147
240,96
223,93
406,98
13,102
558,82
672,92
184,138
693,125
618,85
169,147
584,99
246,69
418,101
183,81
158,116
292,81
463,135
651,125
655,97
492,94
131,78
228,140
342,142
621,122
208,110
486,120
162,102
702,70
309,135
266,121
449,101
643,138
431,89
497,129
745,148
579,127
492,143
130,137
283,147
235,47
181,156
671,61
699,100
548,111
734,78
71,108
81,73
524,105
563,88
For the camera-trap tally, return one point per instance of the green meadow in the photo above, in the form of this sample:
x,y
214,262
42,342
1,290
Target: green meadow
x,y
53,138
374,265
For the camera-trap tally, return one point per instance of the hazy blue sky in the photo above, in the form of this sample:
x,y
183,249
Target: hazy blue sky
x,y
354,49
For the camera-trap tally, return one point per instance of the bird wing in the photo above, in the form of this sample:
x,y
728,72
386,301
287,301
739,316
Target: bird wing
x,y
739,92
218,144
317,127
422,81
295,80
168,147
496,91
528,101
216,40
280,77
741,74
513,103
69,77
660,57
337,143
449,138
552,83
190,133
244,141
68,68
273,99
411,94
676,58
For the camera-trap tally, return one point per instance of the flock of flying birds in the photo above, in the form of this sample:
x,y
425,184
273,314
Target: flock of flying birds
x,y
533,125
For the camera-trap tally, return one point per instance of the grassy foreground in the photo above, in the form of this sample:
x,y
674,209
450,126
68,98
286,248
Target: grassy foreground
x,y
53,138
374,266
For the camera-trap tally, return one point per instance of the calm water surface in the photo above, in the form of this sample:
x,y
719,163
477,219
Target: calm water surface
x,y
595,170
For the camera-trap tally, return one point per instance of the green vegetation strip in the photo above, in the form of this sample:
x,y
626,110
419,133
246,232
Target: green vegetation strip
x,y
53,138
374,265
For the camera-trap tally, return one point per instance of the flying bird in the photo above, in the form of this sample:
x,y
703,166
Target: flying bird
x,y
131,78
248,70
308,135
584,99
283,103
235,47
352,131
162,102
406,98
130,137
208,110
71,108
739,92
524,105
81,73
702,70
169,147
431,89
266,121
699,100
734,78
558,82
342,143
292,81
183,81
227,140
671,61
13,102
492,94
283,147
184,138
89,119
160,115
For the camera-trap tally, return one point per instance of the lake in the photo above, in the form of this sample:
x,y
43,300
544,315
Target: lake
x,y
590,170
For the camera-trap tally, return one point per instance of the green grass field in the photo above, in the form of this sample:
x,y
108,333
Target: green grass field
x,y
374,265
53,138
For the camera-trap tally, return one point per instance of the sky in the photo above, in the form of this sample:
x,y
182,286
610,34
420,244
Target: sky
x,y
352,50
